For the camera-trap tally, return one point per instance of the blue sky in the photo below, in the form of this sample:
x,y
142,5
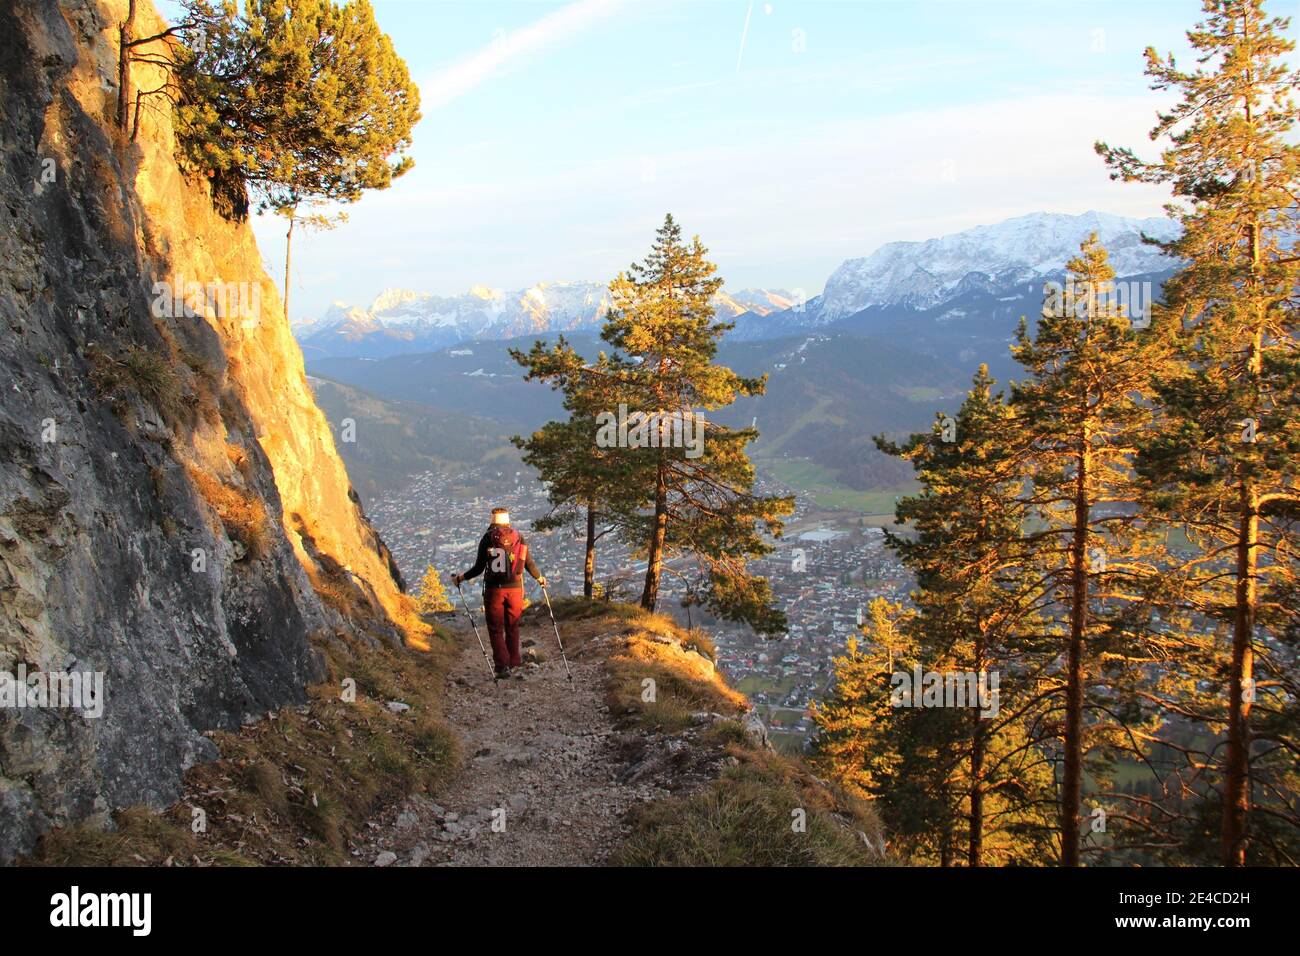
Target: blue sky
x,y
789,136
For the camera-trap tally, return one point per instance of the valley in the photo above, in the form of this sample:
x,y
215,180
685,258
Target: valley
x,y
890,343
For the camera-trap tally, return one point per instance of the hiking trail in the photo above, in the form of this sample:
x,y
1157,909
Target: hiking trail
x,y
542,761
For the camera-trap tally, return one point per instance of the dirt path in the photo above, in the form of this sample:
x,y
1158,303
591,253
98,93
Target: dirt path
x,y
540,781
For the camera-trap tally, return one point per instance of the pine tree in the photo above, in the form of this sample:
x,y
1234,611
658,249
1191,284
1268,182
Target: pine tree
x,y
433,596
587,484
312,222
293,100
1082,411
560,452
662,327
976,600
1224,459
857,740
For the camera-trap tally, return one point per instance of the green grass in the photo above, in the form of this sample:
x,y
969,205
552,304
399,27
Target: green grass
x,y
819,484
811,417
754,685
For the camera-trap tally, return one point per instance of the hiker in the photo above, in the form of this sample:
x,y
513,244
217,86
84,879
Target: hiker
x,y
503,556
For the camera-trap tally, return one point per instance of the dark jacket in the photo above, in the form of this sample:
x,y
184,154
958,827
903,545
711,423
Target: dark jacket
x,y
503,556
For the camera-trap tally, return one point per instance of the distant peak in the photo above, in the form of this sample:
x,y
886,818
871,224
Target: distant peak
x,y
926,272
390,298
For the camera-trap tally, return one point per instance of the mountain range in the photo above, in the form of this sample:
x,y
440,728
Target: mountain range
x,y
892,339
933,281
1025,249
400,321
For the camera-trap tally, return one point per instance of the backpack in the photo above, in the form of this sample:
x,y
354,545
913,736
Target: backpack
x,y
505,557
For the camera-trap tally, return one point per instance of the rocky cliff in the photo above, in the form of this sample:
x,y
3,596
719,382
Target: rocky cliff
x,y
173,514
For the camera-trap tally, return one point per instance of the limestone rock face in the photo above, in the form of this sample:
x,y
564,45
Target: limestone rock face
x,y
173,513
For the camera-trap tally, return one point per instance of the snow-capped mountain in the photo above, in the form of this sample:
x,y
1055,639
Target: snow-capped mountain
x,y
479,312
754,301
963,282
1027,248
400,320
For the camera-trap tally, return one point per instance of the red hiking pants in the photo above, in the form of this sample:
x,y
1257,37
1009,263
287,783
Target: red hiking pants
x,y
502,607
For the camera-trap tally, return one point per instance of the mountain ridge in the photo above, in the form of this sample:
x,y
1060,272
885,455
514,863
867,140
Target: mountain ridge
x,y
404,320
915,274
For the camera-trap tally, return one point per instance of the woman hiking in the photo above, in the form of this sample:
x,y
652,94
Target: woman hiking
x,y
503,556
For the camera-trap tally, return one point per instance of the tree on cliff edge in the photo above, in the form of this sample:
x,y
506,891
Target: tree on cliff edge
x,y
699,485
292,100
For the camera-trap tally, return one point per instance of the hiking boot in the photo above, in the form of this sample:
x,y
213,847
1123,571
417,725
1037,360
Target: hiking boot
x,y
519,673
502,673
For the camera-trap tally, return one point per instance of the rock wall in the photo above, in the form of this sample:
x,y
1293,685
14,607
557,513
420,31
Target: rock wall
x,y
173,513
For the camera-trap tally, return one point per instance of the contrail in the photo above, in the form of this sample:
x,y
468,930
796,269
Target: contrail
x,y
743,34
453,81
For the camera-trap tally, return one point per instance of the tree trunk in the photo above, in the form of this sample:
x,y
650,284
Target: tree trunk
x,y
1072,782
1236,792
589,567
975,850
975,853
126,34
288,251
655,553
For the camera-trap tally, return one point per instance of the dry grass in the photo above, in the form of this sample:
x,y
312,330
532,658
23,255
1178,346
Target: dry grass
x,y
683,684
767,811
697,640
338,589
639,646
294,787
142,371
140,837
204,399
684,681
744,818
242,513
649,647
239,458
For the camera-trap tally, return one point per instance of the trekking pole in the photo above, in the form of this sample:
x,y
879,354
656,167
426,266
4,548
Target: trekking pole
x,y
492,670
546,594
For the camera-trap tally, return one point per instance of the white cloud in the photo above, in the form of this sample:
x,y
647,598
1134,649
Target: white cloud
x,y
455,81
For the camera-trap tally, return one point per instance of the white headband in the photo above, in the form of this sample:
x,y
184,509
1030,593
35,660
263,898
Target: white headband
x,y
501,517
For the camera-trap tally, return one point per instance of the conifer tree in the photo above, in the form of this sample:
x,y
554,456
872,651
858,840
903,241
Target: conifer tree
x,y
588,485
1223,460
700,491
294,100
977,598
859,740
1081,413
312,222
433,596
